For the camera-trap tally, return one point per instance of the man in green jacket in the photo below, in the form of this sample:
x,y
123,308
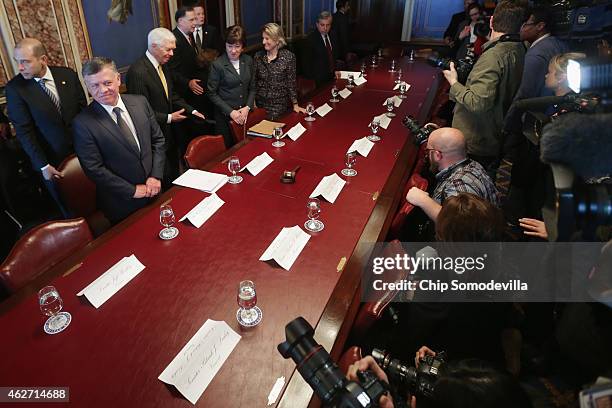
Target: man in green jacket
x,y
484,100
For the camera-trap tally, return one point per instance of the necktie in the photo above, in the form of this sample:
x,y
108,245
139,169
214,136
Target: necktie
x,y
125,129
330,54
198,39
51,95
162,77
192,42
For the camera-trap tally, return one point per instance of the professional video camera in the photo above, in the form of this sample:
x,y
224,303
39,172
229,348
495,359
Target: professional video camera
x,y
421,134
463,66
419,380
323,375
579,19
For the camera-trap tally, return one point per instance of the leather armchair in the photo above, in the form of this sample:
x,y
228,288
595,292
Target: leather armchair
x,y
255,116
202,150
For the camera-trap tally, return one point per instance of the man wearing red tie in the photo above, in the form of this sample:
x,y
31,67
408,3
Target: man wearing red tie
x,y
183,63
322,51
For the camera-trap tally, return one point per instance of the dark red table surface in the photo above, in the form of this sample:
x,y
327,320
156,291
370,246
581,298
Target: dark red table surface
x,y
112,356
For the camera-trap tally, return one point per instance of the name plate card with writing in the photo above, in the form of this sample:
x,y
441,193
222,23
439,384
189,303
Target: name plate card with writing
x,y
384,120
323,109
345,74
397,101
202,180
286,247
361,146
329,187
360,80
195,366
397,86
345,93
204,210
109,283
295,132
259,163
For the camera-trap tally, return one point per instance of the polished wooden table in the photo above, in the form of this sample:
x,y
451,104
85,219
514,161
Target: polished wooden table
x,y
112,356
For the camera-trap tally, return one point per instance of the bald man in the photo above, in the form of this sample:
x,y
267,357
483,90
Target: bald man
x,y
455,173
42,101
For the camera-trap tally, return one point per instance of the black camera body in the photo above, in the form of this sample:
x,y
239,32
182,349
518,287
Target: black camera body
x,y
421,134
482,28
323,375
462,66
420,380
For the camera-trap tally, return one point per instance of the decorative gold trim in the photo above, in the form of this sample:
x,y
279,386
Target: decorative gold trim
x,y
85,29
237,12
341,264
375,196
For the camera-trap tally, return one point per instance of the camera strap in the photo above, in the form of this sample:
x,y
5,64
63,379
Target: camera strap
x,y
506,38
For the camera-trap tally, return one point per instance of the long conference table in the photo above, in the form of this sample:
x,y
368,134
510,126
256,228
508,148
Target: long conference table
x,y
112,356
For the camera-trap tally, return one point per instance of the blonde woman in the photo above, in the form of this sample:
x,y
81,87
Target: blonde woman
x,y
556,78
275,81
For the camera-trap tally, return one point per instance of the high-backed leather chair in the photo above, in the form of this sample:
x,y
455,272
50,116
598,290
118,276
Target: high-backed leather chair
x,y
78,193
255,116
202,150
372,311
416,180
42,248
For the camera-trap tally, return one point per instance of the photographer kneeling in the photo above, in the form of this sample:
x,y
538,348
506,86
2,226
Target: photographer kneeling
x,y
461,384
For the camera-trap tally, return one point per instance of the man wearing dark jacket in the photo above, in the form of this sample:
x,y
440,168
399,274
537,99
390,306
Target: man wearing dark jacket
x,y
341,27
42,101
322,51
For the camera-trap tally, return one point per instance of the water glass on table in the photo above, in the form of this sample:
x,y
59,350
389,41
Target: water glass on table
x,y
278,133
310,110
233,165
350,159
51,305
314,210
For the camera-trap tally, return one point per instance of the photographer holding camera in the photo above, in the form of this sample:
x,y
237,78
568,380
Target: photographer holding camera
x,y
462,384
490,88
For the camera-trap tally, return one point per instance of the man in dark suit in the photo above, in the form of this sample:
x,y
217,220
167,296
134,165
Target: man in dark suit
x,y
341,27
206,35
150,77
453,26
183,63
322,50
118,142
42,101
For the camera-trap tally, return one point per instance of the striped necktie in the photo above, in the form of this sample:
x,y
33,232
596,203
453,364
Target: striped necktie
x,y
50,94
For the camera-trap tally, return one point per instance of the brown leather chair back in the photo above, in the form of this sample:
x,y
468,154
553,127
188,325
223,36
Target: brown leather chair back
x,y
42,248
202,150
78,192
416,180
255,116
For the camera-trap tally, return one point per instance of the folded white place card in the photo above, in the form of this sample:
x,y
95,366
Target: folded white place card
x,y
384,120
345,93
403,82
397,101
329,187
259,163
201,180
109,283
276,390
345,74
361,146
195,366
286,247
204,210
323,109
295,132
360,80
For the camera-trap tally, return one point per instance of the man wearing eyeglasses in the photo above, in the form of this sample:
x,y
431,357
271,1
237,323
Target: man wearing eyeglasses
x,y
455,173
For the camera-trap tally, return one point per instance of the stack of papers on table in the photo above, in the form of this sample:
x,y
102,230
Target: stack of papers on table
x,y
201,180
109,283
265,128
195,366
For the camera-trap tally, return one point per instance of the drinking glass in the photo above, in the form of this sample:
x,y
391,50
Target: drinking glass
x,y
390,105
411,56
374,128
392,66
314,210
167,219
351,78
310,109
399,76
278,133
373,63
51,305
403,88
334,92
233,165
380,54
349,160
248,314
363,69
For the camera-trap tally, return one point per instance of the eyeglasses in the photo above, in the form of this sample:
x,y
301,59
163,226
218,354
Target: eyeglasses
x,y
528,24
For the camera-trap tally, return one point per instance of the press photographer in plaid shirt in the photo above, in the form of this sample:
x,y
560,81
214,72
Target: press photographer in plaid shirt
x,y
455,173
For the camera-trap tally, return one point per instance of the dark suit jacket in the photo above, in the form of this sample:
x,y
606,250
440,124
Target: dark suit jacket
x,y
212,38
114,165
226,89
316,60
457,18
183,64
340,25
45,135
142,79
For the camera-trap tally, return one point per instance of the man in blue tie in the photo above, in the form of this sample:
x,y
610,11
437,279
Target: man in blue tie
x,y
42,101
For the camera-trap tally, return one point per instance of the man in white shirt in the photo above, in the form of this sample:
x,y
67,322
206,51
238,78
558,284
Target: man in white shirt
x,y
119,143
206,35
